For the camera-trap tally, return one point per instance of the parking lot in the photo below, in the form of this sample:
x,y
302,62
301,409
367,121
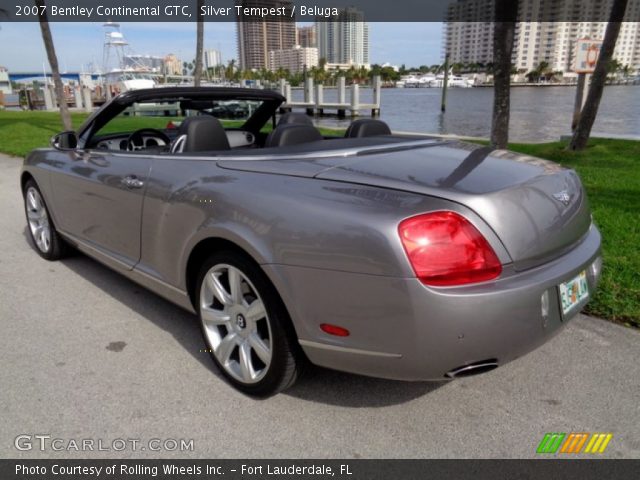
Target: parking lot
x,y
87,354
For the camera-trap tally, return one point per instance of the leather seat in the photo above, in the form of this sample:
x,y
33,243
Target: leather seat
x,y
367,127
292,134
295,118
201,134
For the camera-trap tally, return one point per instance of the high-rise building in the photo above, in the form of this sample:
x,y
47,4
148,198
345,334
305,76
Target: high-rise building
x,y
293,59
344,38
211,58
307,37
256,38
469,39
555,43
172,65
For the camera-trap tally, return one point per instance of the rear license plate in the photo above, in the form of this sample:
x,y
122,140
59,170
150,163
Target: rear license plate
x,y
573,292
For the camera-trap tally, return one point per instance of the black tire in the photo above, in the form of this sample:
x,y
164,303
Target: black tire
x,y
56,248
287,358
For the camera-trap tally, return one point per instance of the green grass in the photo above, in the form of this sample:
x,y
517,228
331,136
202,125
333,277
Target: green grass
x,y
610,170
21,132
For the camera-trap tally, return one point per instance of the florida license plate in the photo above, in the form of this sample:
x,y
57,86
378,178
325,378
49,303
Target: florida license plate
x,y
573,292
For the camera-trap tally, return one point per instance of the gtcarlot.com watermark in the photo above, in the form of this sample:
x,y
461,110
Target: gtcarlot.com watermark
x,y
48,443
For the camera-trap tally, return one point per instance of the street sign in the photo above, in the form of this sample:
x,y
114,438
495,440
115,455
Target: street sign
x,y
587,53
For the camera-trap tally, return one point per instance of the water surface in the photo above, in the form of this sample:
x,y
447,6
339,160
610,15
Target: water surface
x,y
537,113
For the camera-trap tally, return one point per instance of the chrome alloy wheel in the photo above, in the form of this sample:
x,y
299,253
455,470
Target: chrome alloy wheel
x,y
236,323
38,220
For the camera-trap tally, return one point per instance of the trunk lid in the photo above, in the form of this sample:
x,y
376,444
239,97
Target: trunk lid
x,y
537,208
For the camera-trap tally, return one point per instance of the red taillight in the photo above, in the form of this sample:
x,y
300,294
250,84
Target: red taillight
x,y
334,330
445,249
171,125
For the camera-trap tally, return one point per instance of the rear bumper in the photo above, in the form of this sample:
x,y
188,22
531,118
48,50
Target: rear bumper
x,y
401,329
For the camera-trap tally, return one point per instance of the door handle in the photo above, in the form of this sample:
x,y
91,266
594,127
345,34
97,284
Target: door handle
x,y
132,182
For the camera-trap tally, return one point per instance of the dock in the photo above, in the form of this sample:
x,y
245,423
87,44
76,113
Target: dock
x,y
314,104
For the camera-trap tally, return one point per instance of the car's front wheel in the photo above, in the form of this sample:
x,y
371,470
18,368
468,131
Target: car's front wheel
x,y
42,231
245,325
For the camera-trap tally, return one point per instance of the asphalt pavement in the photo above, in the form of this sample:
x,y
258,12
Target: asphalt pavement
x,y
89,355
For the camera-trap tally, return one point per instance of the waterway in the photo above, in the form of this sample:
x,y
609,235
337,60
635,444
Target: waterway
x,y
537,113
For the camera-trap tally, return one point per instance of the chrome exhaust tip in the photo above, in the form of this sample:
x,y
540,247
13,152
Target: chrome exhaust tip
x,y
473,369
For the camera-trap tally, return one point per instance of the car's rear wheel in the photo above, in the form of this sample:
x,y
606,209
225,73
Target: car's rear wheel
x,y
46,239
245,325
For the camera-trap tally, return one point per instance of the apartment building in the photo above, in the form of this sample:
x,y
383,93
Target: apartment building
x,y
295,59
344,38
257,37
468,37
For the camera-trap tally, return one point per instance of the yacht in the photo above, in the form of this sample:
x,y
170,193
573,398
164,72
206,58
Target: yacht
x,y
123,80
452,81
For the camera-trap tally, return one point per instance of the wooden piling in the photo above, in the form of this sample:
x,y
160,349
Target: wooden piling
x,y
445,81
355,99
88,102
341,90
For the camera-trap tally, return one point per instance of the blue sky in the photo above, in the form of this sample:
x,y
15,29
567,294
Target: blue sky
x,y
79,44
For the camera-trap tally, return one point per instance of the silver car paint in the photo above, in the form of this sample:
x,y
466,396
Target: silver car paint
x,y
325,232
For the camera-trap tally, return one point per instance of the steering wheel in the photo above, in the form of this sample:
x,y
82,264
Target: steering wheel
x,y
136,141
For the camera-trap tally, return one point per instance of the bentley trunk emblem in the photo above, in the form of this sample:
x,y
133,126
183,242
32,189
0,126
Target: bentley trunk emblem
x,y
563,197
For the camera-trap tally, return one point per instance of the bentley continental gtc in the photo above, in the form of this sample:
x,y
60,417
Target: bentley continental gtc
x,y
395,256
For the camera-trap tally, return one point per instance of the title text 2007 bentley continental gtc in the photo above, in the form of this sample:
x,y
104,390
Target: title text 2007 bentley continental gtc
x,y
387,255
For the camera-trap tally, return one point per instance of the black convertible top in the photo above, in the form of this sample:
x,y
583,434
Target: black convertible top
x,y
209,93
270,102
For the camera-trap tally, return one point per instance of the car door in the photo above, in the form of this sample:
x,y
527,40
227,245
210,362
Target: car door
x,y
99,196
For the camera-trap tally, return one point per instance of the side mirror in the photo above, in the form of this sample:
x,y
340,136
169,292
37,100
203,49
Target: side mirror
x,y
65,141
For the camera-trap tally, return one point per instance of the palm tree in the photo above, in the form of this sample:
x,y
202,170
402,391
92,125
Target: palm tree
x,y
53,62
363,74
614,67
353,75
503,36
230,71
541,71
197,74
590,109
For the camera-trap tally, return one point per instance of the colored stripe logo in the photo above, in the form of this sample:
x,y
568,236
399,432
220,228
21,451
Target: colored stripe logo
x,y
575,442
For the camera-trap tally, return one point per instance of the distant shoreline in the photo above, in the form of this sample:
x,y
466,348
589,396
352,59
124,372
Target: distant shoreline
x,y
486,85
519,84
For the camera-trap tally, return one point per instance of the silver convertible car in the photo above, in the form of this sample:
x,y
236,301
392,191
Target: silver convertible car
x,y
394,256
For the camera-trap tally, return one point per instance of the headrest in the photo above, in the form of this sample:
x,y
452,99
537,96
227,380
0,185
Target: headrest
x,y
367,127
294,118
205,133
292,134
184,125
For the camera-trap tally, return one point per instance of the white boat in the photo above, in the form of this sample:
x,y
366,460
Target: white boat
x,y
123,77
410,81
453,81
424,81
119,81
